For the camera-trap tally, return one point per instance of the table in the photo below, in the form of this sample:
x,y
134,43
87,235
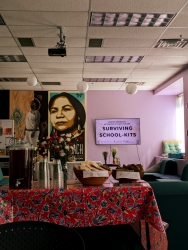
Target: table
x,y
70,171
79,206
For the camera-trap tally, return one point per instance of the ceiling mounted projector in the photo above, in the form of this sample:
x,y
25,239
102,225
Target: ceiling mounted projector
x,y
60,48
57,52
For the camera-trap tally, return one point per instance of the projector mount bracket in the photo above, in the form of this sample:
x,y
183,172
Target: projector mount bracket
x,y
61,44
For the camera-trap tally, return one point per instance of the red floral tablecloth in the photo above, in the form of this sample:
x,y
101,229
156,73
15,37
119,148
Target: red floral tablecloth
x,y
87,206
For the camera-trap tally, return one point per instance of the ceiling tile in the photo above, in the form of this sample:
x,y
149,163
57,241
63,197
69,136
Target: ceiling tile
x,y
46,5
47,18
137,6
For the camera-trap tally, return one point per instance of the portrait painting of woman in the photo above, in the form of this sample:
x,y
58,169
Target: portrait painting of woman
x,y
67,115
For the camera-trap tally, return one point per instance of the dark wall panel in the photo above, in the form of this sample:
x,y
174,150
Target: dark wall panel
x,y
41,98
4,104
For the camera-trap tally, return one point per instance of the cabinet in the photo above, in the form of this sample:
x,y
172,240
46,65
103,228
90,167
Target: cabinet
x,y
180,162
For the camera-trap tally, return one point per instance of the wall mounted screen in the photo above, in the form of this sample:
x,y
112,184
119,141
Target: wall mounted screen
x,y
125,131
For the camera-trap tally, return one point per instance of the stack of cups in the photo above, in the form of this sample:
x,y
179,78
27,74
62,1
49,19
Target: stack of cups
x,y
43,174
56,174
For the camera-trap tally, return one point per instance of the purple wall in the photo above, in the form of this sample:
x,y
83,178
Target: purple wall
x,y
185,85
157,117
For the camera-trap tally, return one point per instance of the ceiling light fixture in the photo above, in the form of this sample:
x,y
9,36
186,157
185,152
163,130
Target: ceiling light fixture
x,y
131,19
32,81
131,88
113,59
12,58
82,87
105,79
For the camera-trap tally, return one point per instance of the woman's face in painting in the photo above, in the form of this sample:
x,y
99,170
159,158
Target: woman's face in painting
x,y
62,114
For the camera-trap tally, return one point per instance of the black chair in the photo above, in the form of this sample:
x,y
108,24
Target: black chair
x,y
112,237
38,235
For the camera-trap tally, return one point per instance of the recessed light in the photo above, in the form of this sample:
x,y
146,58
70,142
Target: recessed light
x,y
113,59
105,79
130,19
12,58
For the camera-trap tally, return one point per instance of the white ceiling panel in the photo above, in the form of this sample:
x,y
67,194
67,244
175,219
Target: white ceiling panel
x,y
110,66
125,32
180,21
107,71
4,32
45,5
116,51
175,33
137,6
19,75
166,59
7,42
128,43
15,65
10,50
52,71
57,59
161,66
169,51
65,76
45,31
21,72
48,18
48,65
51,42
105,75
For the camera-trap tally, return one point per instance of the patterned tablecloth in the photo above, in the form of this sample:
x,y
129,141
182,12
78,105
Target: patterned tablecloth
x,y
87,206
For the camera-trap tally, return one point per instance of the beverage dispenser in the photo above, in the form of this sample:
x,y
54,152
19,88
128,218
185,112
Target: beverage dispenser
x,y
20,165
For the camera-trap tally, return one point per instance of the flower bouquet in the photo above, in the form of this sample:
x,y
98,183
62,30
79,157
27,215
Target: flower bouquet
x,y
114,152
60,147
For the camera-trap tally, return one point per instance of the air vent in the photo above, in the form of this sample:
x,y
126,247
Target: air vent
x,y
26,42
105,79
51,83
2,21
13,79
131,19
97,43
137,83
8,58
171,43
113,59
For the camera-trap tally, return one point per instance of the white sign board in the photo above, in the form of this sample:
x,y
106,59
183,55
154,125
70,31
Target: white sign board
x,y
128,175
100,173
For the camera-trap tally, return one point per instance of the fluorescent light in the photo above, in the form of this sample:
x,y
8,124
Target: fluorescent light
x,y
130,19
113,59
